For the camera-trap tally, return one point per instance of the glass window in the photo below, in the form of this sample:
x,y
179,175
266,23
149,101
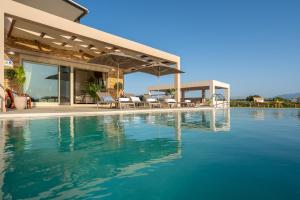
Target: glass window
x,y
41,82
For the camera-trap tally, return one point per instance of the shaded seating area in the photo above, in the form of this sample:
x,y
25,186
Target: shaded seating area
x,y
211,93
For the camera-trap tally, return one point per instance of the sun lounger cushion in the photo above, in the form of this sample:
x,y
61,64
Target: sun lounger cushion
x,y
151,100
135,99
187,101
170,101
124,99
107,99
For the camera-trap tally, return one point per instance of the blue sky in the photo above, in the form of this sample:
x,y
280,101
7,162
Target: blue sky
x,y
253,45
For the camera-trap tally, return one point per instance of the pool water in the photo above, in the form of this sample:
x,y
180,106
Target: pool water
x,y
217,154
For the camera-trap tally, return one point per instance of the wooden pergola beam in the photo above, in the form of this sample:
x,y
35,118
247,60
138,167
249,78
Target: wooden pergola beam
x,y
11,28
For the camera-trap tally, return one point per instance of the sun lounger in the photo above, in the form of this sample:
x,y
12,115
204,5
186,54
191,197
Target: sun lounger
x,y
153,103
187,103
125,102
170,102
137,101
106,99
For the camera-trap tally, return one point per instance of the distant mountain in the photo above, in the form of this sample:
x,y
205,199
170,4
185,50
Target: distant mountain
x,y
289,96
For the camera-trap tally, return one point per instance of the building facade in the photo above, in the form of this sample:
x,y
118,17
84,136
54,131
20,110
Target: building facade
x,y
53,48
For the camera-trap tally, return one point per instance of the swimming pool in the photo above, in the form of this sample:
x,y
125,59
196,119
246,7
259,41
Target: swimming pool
x,y
216,154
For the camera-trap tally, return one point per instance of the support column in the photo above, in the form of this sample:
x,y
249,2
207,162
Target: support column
x,y
203,95
227,96
182,94
212,91
2,89
177,84
72,86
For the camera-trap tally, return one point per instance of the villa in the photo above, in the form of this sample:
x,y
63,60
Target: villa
x,y
54,50
69,129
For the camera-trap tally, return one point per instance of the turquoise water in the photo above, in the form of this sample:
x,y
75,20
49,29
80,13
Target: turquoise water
x,y
224,154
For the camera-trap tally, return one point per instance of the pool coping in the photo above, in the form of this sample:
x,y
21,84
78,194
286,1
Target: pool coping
x,y
99,112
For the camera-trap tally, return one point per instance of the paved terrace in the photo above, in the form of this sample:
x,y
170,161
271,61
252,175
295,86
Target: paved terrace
x,y
87,111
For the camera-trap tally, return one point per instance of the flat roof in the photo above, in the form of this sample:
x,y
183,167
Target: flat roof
x,y
33,24
198,85
67,9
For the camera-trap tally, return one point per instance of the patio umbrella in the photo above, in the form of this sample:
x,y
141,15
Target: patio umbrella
x,y
119,60
63,76
158,69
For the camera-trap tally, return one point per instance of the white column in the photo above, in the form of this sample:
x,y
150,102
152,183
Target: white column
x,y
212,91
2,89
227,95
72,86
177,84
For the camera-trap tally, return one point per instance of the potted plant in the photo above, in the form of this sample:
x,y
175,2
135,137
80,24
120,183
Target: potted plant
x,y
93,88
20,78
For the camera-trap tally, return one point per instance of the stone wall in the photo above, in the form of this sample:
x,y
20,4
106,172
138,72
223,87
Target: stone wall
x,y
11,84
112,80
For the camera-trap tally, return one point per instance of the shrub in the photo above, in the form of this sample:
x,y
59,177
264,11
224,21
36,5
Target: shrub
x,y
10,74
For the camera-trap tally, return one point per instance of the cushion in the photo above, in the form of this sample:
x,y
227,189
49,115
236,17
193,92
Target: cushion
x,y
135,99
187,101
150,100
124,99
107,99
170,100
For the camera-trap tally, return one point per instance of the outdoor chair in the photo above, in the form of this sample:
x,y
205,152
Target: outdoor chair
x,y
137,101
153,103
187,103
125,102
10,95
105,99
170,102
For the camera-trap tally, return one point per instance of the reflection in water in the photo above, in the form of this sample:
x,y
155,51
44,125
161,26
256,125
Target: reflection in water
x,y
213,120
72,157
277,114
259,114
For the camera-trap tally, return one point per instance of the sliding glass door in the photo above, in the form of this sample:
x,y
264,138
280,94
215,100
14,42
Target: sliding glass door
x,y
41,82
64,85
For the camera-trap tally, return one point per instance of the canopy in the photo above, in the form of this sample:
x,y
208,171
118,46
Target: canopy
x,y
157,69
117,59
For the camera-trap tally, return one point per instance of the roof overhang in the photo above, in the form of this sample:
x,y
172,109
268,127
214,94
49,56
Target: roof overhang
x,y
36,25
192,86
67,9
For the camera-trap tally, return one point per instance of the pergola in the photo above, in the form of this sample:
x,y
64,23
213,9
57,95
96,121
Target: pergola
x,y
39,33
209,85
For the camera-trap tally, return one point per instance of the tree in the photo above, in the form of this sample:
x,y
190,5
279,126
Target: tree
x,y
170,92
280,99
